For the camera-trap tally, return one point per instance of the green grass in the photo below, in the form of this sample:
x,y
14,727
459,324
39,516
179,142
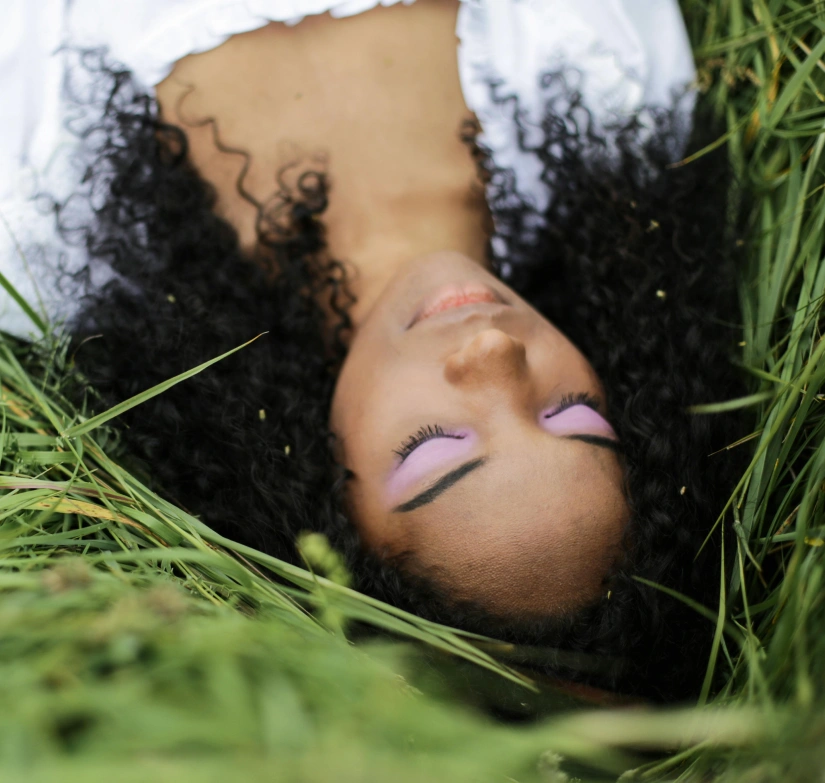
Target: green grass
x,y
136,644
133,638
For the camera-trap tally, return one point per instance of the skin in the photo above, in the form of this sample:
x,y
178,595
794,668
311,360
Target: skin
x,y
536,526
343,96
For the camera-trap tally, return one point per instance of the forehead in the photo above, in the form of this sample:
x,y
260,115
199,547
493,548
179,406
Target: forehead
x,y
534,529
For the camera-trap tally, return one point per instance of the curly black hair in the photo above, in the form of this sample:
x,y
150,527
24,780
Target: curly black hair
x,y
632,260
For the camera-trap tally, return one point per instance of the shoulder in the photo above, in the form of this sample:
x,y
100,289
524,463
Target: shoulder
x,y
524,61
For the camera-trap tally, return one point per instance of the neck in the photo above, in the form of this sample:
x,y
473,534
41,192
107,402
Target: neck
x,y
373,100
388,233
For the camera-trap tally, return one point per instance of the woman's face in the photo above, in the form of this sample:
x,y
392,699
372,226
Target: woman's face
x,y
468,422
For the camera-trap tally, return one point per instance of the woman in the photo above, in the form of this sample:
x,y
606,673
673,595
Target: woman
x,y
477,462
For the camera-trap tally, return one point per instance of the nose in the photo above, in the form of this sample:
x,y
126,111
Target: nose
x,y
489,358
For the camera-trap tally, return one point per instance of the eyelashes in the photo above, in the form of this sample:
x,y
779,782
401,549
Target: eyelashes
x,y
432,431
422,436
569,400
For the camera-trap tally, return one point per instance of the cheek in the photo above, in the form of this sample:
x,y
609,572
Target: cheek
x,y
557,363
375,395
359,391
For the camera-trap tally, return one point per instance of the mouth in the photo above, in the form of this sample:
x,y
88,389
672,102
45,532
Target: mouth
x,y
453,296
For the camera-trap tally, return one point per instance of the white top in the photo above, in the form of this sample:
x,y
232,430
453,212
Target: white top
x,y
629,54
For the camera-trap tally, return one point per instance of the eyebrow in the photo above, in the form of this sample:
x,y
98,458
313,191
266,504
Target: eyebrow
x,y
442,485
598,440
454,476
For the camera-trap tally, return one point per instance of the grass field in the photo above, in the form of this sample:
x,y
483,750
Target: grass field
x,y
136,644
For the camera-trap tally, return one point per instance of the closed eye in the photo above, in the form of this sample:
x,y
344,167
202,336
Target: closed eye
x,y
569,400
580,421
424,434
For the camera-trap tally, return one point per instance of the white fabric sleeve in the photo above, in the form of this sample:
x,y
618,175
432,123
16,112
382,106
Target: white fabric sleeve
x,y
30,131
623,56
149,36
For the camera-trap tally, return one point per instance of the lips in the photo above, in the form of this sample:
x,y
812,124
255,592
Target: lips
x,y
452,296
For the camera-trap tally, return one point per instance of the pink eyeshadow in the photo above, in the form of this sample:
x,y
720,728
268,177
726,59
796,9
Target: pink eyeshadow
x,y
578,420
428,460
